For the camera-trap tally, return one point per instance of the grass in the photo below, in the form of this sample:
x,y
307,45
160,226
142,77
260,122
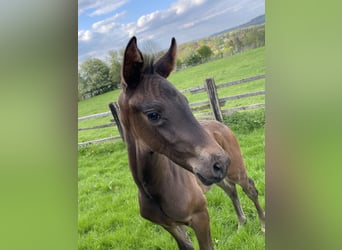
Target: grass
x,y
108,212
246,64
108,207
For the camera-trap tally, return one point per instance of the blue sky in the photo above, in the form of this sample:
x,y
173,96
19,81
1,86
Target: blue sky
x,y
105,25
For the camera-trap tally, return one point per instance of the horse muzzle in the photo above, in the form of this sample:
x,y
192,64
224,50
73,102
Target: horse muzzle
x,y
212,171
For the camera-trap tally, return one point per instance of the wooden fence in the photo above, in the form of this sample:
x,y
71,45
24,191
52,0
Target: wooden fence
x,y
213,102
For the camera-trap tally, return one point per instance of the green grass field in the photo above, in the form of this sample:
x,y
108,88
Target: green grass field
x,y
108,213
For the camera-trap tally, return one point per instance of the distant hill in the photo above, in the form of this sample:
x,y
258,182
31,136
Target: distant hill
x,y
255,21
230,41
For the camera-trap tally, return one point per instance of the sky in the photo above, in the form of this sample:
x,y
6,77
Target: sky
x,y
105,25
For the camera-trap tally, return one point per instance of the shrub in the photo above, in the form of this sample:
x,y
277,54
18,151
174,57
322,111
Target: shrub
x,y
246,121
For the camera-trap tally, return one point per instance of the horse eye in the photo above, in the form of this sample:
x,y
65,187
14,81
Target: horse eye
x,y
153,116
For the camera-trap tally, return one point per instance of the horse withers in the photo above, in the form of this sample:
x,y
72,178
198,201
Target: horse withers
x,y
173,157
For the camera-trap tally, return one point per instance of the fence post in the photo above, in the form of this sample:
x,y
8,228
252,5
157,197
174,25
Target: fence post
x,y
113,106
213,98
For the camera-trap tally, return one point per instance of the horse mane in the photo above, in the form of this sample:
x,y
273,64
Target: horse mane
x,y
148,67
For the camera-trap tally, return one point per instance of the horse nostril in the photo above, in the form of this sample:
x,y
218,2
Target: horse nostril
x,y
218,170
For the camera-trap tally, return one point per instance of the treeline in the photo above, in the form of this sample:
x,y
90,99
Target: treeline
x,y
221,45
244,39
96,76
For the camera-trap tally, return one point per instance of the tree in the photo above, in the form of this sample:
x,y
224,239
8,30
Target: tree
x,y
114,67
192,58
82,87
179,63
236,44
205,52
96,77
255,37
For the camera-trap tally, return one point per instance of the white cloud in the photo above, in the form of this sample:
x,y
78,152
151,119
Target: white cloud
x,y
185,20
103,28
108,8
100,7
144,20
84,35
108,24
182,6
130,28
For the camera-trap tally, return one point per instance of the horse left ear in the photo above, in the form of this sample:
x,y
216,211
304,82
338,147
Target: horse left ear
x,y
132,65
167,62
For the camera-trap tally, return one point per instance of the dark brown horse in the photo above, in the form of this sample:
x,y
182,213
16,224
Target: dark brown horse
x,y
173,157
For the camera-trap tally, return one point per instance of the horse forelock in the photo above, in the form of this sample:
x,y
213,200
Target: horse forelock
x,y
148,67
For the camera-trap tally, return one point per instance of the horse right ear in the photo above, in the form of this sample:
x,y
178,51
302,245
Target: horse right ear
x,y
167,62
132,65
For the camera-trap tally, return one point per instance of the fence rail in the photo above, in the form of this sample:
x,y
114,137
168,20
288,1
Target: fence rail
x,y
199,89
99,115
99,140
99,126
214,103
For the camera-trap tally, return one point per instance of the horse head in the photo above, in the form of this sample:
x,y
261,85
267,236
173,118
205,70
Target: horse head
x,y
155,114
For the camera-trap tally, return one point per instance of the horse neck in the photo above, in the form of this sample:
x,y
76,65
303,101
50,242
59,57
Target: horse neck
x,y
154,173
146,165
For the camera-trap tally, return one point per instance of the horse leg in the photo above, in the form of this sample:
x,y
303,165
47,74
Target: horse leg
x,y
230,189
251,191
201,225
181,236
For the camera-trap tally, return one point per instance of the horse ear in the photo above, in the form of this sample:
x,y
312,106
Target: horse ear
x,y
167,62
132,65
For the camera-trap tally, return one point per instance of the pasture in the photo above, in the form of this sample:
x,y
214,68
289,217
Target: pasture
x,y
107,196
